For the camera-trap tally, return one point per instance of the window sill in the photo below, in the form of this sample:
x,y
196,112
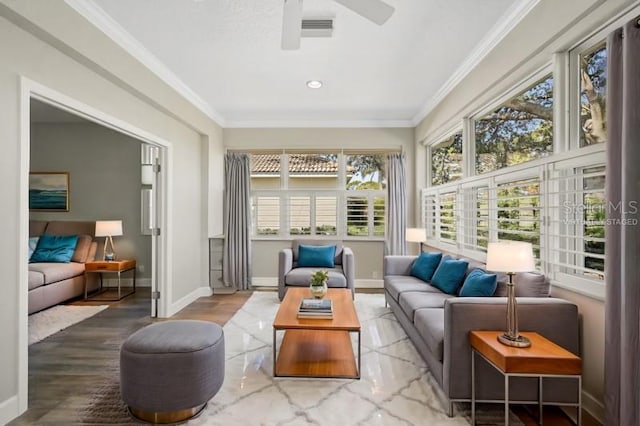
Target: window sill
x,y
587,288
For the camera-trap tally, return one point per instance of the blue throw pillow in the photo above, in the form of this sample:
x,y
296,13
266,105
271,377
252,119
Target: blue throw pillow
x,y
449,275
425,265
479,284
316,256
56,249
33,243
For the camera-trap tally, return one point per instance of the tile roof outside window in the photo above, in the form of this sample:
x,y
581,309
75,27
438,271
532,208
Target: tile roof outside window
x,y
298,163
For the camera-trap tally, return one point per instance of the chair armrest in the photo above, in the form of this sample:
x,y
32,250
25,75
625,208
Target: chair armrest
x,y
556,319
397,265
285,264
349,268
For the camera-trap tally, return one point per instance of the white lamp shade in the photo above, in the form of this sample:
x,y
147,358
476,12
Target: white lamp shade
x,y
416,235
510,256
108,228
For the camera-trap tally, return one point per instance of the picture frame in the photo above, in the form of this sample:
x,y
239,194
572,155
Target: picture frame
x,y
49,191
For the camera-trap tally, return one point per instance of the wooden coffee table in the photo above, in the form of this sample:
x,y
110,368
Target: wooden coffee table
x,y
317,347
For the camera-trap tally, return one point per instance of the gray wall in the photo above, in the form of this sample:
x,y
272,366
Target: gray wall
x,y
104,180
52,45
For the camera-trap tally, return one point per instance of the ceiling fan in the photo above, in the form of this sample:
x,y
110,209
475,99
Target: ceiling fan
x,y
376,11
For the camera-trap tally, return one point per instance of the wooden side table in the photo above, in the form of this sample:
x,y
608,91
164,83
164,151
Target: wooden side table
x,y
542,359
117,267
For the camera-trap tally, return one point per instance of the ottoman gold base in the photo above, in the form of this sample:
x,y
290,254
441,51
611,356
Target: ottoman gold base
x,y
165,417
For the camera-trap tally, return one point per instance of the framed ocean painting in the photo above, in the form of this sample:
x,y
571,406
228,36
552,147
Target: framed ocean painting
x,y
49,191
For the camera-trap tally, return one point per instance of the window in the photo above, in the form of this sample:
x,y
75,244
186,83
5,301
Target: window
x,y
446,160
322,194
519,212
593,85
518,131
447,204
578,227
266,215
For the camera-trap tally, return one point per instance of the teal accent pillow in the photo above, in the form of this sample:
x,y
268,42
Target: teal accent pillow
x,y
55,249
449,275
316,256
479,284
33,243
425,265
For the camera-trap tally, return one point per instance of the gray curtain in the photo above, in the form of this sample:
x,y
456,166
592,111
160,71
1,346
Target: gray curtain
x,y
396,204
622,270
236,257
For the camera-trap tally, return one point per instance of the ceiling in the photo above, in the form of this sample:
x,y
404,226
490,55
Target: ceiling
x,y
225,56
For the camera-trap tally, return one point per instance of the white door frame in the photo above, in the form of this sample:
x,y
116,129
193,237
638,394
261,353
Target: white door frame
x,y
30,89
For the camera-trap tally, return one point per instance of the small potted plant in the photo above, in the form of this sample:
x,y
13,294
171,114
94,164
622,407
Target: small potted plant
x,y
318,283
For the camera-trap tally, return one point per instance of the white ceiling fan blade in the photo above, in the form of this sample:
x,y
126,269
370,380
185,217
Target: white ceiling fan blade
x,y
292,24
374,10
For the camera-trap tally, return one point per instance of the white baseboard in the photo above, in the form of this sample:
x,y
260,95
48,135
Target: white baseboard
x,y
273,282
9,410
593,406
176,307
127,282
369,283
264,281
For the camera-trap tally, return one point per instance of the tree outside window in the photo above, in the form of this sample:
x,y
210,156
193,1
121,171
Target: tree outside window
x,y
446,160
593,93
518,131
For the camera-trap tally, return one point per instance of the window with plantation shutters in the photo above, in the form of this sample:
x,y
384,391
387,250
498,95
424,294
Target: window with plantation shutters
x,y
266,215
518,212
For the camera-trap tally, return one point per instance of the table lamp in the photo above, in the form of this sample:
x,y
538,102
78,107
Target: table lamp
x,y
511,257
108,229
416,235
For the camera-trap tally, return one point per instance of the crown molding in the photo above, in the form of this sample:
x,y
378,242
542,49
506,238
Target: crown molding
x,y
272,124
507,22
101,20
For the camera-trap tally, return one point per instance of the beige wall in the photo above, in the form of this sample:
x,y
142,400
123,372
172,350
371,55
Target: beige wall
x,y
104,181
552,26
87,67
368,254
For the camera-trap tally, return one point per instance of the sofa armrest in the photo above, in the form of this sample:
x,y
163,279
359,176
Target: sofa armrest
x,y
555,319
285,264
349,268
397,265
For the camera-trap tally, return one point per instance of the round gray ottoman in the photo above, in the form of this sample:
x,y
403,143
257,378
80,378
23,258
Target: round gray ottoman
x,y
169,370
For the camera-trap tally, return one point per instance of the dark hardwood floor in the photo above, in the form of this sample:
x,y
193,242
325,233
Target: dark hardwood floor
x,y
78,361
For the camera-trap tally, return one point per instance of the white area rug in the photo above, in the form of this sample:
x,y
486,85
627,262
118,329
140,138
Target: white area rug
x,y
395,389
45,323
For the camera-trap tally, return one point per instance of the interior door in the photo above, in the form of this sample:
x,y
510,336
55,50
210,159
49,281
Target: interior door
x,y
151,211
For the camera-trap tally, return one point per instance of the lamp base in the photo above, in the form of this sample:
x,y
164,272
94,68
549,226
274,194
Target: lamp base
x,y
517,341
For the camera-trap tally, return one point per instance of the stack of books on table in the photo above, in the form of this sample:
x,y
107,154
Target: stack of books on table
x,y
316,308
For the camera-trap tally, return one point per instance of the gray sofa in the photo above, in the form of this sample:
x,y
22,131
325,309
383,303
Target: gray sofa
x,y
438,324
53,283
342,275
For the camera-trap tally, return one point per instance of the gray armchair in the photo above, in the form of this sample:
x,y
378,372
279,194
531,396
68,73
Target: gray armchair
x,y
342,275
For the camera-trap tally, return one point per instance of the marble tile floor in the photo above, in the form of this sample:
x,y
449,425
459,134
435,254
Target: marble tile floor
x,y
395,389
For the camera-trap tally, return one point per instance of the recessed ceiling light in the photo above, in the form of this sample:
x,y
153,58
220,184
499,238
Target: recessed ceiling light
x,y
314,84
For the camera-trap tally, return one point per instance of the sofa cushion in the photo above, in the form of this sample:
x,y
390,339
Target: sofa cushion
x,y
33,243
300,277
54,272
54,248
430,324
398,284
478,284
411,301
449,275
425,265
82,249
532,284
295,248
36,279
316,256
527,284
